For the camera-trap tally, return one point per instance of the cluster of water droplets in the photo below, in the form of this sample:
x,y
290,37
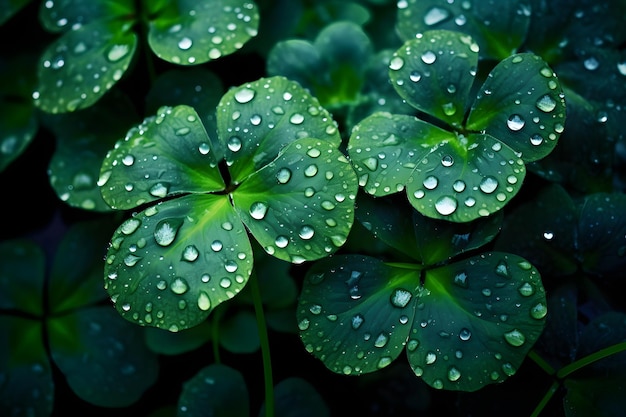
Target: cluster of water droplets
x,y
228,30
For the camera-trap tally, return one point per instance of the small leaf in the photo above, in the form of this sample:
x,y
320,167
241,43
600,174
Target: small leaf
x,y
191,33
103,357
498,28
257,119
215,390
77,69
22,261
167,154
522,104
170,265
480,317
300,207
355,312
434,73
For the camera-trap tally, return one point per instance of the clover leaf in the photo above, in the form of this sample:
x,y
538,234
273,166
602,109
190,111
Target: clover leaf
x,y
98,44
282,179
464,325
468,159
498,30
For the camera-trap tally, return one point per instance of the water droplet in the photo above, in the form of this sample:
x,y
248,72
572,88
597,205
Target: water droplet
x,y
548,235
453,374
546,103
446,205
244,95
515,338
296,119
217,245
538,311
306,232
515,122
204,302
449,109
429,57
281,241
488,184
526,289
415,76
190,253
357,321
460,279
258,210
381,340
591,63
400,297
283,176
255,119
310,171
230,266
234,144
447,161
179,286
128,160
185,43
436,15
396,63
430,182
166,230
458,186
536,139
117,52
431,358
159,189
371,163
465,334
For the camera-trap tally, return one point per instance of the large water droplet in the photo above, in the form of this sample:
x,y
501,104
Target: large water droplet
x,y
429,57
258,210
244,95
283,176
515,338
488,184
166,230
400,297
396,63
546,103
190,253
179,286
436,15
446,205
465,334
430,182
515,122
306,232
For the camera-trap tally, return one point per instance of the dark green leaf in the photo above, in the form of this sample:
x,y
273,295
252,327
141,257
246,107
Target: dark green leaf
x,y
78,68
168,343
499,27
64,15
239,332
170,265
300,207
435,72
28,387
355,312
191,33
476,320
22,261
103,357
521,104
167,154
216,390
296,397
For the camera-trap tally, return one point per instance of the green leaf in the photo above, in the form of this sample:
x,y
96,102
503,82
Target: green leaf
x,y
469,325
239,332
167,154
296,396
103,357
24,362
355,312
216,390
168,343
83,139
257,119
300,207
435,72
64,15
192,33
22,261
498,27
78,68
170,265
480,318
522,104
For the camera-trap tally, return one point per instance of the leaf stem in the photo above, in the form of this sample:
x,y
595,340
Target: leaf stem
x,y
596,356
265,345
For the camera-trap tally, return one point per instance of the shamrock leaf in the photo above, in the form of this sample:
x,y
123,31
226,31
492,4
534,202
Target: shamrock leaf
x,y
274,170
467,160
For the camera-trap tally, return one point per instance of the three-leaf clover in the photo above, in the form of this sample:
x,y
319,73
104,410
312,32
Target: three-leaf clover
x,y
274,171
468,159
464,322
98,42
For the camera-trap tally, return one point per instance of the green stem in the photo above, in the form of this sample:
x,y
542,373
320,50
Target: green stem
x,y
265,345
215,333
546,398
596,356
543,364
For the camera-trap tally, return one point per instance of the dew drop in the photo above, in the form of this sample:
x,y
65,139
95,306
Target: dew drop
x,y
536,139
446,205
234,144
546,103
204,302
190,253
244,95
281,241
415,76
400,297
306,232
488,184
465,334
436,15
166,230
538,311
296,119
515,122
185,43
429,57
430,182
460,279
356,321
396,63
179,286
258,210
458,186
447,161
515,338
283,176
454,374
431,358
117,52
